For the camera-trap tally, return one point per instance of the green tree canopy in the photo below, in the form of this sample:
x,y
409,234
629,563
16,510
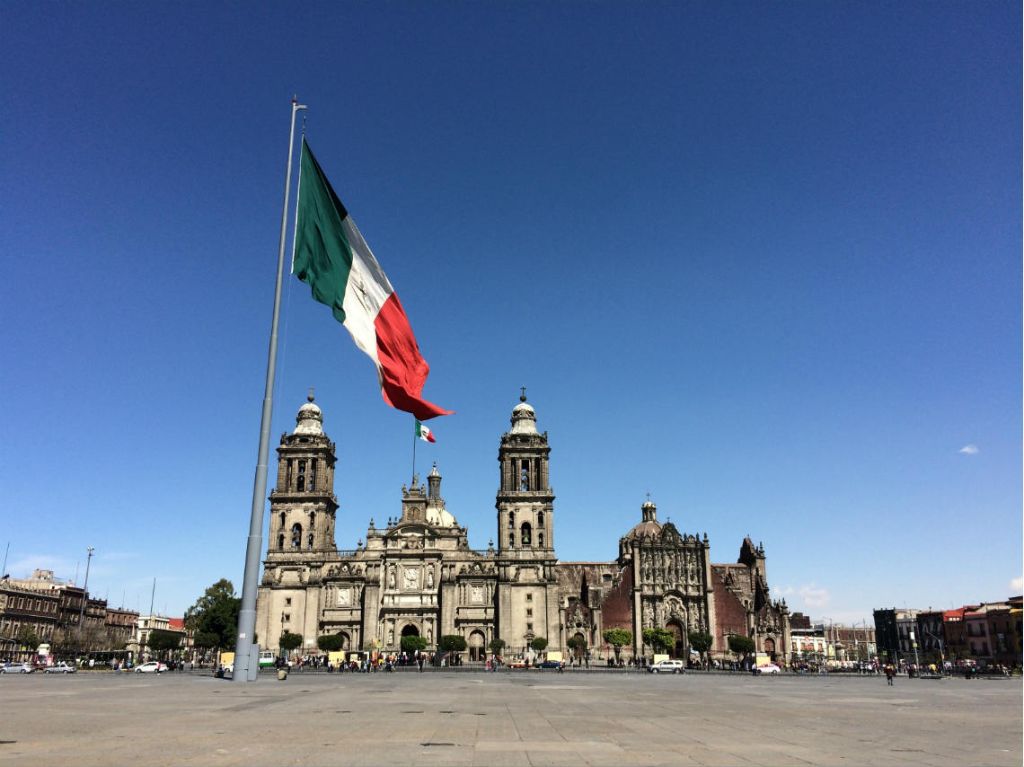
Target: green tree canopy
x,y
330,642
290,641
451,643
27,637
497,645
662,640
205,639
161,641
579,644
412,644
740,644
701,641
539,643
617,637
215,614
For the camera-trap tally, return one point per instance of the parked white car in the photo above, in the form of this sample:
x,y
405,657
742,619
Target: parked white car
x,y
61,668
153,667
668,667
769,668
17,668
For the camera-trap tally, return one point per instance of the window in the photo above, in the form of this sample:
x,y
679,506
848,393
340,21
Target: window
x,y
312,475
280,541
529,627
540,539
301,484
288,601
524,533
524,476
296,536
282,519
540,519
309,541
529,612
529,597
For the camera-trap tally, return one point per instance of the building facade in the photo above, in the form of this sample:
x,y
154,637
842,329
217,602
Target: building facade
x,y
61,614
417,575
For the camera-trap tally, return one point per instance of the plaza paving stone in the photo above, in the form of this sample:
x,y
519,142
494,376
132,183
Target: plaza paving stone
x,y
511,719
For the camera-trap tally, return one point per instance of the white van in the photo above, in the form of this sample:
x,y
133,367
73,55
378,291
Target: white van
x,y
668,667
267,659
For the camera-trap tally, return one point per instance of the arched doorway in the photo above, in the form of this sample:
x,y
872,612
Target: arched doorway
x,y
678,649
579,646
476,646
346,640
769,648
409,630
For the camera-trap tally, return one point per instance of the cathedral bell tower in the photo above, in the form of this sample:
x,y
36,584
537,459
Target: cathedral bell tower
x,y
527,598
525,500
302,505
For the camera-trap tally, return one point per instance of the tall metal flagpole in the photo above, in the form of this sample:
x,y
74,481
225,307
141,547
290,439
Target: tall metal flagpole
x,y
254,547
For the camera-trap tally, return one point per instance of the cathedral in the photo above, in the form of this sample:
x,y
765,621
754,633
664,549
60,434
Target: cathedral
x,y
417,575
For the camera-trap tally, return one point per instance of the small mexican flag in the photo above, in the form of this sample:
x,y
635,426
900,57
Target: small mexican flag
x,y
424,433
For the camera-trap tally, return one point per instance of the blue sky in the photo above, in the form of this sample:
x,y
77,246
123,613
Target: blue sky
x,y
761,261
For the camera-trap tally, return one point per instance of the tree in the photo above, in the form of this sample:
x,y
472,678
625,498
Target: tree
x,y
290,641
215,613
414,644
497,645
27,638
577,644
661,640
701,641
450,643
162,642
330,642
741,645
617,638
538,644
204,640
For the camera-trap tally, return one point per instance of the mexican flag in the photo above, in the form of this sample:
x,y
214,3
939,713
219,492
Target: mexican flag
x,y
331,256
424,433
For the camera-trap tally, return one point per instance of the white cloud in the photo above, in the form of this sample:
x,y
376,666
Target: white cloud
x,y
783,592
1017,585
813,596
971,449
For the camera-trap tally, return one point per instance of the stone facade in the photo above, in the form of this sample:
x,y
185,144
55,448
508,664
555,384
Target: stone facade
x,y
417,575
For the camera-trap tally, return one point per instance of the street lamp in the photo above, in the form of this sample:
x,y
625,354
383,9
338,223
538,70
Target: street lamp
x,y
85,595
280,640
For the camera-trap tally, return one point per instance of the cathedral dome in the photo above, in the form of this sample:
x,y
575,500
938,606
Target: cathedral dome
x,y
649,526
309,420
524,418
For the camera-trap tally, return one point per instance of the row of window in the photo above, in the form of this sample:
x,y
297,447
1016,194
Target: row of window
x,y
27,603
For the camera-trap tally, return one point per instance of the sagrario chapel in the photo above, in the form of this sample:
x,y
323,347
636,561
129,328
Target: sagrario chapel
x,y
417,574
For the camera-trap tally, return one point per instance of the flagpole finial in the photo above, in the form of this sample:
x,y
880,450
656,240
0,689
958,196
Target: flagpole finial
x,y
309,397
522,394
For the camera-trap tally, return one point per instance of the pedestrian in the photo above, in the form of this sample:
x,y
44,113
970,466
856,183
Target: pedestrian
x,y
890,672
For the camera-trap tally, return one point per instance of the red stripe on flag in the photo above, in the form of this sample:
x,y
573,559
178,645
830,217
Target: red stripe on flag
x,y
403,369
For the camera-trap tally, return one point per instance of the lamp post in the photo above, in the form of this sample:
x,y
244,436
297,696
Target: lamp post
x,y
85,595
280,641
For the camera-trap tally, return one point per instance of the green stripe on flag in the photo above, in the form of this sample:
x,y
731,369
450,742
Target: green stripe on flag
x,y
322,253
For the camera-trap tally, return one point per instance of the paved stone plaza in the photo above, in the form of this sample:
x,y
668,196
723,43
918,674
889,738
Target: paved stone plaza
x,y
511,718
